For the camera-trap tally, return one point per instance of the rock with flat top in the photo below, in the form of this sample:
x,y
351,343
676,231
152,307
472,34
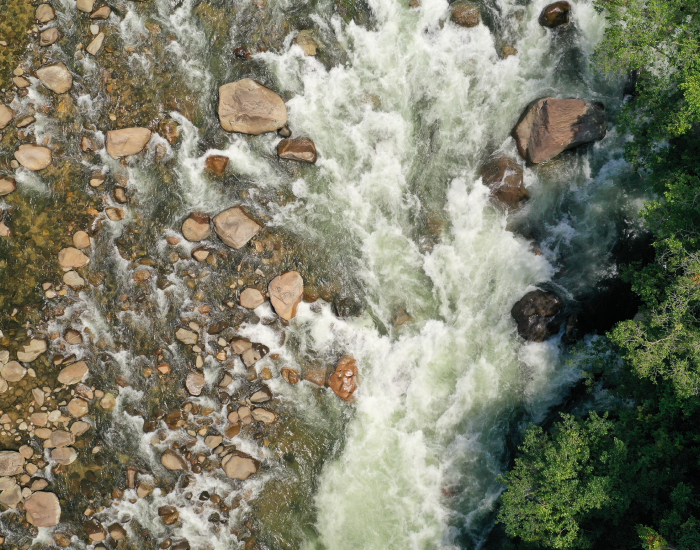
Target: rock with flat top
x,y
100,14
73,280
71,258
73,374
234,227
286,292
194,383
216,164
127,141
251,298
6,116
196,227
49,36
43,509
11,463
13,371
306,42
33,157
555,15
239,465
186,336
249,107
173,461
56,77
81,240
85,5
301,149
31,350
44,13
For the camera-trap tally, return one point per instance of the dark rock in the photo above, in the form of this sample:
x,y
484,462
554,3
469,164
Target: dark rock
x,y
301,149
465,14
536,315
505,179
555,15
346,305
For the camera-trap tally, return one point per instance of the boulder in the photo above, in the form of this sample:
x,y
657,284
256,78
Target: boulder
x,y
43,509
216,164
555,15
263,415
263,395
61,438
70,258
49,36
465,14
173,461
249,107
11,496
536,315
44,13
194,383
33,157
549,126
251,298
56,77
85,5
127,141
78,407
4,230
301,149
286,292
343,380
13,371
504,177
73,374
234,227
6,116
196,227
31,350
239,465
11,463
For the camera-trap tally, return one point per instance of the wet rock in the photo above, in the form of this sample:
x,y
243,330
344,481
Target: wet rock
x,y
263,395
301,149
13,371
73,280
33,157
213,441
186,336
346,305
507,51
11,496
195,383
144,489
43,509
85,5
62,540
21,82
343,381
81,240
240,345
101,13
254,354
284,132
216,164
234,227
96,45
6,116
286,292
305,40
251,298
249,107
61,438
44,13
290,375
49,36
465,14
173,461
196,227
504,177
73,374
64,455
95,531
127,141
114,214
117,532
11,463
263,415
200,254
169,514
30,351
7,186
108,402
25,121
239,465
70,258
73,337
78,407
56,77
38,396
4,230
549,126
555,15
536,315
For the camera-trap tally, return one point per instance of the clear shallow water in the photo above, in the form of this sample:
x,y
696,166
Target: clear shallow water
x,y
403,112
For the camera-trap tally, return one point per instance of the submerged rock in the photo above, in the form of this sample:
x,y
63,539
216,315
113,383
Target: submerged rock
x,y
304,39
555,15
286,292
96,45
343,380
248,107
33,157
536,315
43,509
465,14
234,227
504,177
127,141
549,126
216,164
73,374
56,77
13,371
101,13
301,149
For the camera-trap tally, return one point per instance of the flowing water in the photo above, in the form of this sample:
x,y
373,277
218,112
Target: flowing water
x,y
404,108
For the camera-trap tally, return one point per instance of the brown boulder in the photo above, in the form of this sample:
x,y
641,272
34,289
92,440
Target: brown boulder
x,y
127,141
555,15
239,465
196,227
249,107
71,257
6,116
251,298
234,227
504,177
43,509
286,292
536,315
33,157
49,36
56,77
73,374
465,14
549,126
301,149
173,461
11,463
343,381
195,383
216,164
44,13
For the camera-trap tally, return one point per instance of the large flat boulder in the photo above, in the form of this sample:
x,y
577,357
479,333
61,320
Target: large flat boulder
x,y
127,141
234,227
239,465
248,107
56,77
549,126
33,157
536,315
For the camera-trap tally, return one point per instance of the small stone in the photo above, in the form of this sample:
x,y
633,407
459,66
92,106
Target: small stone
x,y
200,254
25,121
244,415
290,375
186,337
95,46
56,77
49,36
21,82
508,51
73,337
234,227
251,298
26,451
101,13
194,383
240,345
144,489
78,407
127,141
94,29
301,149
95,531
73,280
263,415
79,428
7,186
4,230
263,395
38,396
117,532
108,402
72,258
343,380
11,497
13,371
44,13
213,441
28,352
286,292
196,227
85,5
97,179
284,132
60,438
119,195
173,461
114,214
73,374
33,157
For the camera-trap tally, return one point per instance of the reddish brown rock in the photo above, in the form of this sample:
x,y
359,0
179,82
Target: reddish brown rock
x,y
343,381
249,107
196,227
504,177
127,141
465,14
216,164
536,315
555,15
286,292
301,149
33,157
549,126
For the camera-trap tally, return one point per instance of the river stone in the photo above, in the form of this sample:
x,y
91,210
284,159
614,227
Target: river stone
x,y
4,356
78,407
504,177
290,375
196,227
73,374
73,280
13,371
128,141
263,395
85,5
4,230
73,337
549,126
108,402
343,380
39,418
56,77
117,532
96,45
43,509
44,13
240,345
81,240
71,257
234,227
251,298
61,438
300,148
239,465
286,291
7,186
194,383
251,356
213,441
186,336
249,107
33,157
28,352
465,14
263,415
101,13
49,36
173,461
216,164
64,455
536,315
11,463
6,116
555,15
12,496
3,385
306,42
